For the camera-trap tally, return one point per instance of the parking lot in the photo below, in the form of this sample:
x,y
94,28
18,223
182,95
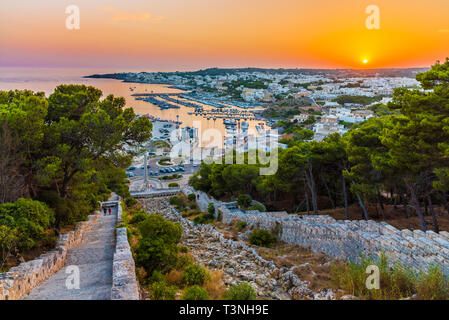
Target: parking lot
x,y
156,171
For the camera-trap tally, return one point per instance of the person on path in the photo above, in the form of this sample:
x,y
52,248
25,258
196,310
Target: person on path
x,y
110,211
105,211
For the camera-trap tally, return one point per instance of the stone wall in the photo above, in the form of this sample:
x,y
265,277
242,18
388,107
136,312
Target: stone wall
x,y
346,239
20,280
350,239
124,282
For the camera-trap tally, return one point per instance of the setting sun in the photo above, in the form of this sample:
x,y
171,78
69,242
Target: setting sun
x,y
365,61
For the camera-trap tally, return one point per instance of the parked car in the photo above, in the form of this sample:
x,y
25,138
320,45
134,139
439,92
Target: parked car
x,y
131,169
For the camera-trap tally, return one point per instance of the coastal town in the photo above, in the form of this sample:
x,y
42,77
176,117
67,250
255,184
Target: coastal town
x,y
324,101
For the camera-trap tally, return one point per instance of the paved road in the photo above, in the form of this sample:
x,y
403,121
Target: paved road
x,y
94,259
155,167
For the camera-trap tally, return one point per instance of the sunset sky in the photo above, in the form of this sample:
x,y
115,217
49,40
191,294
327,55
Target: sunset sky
x,y
170,35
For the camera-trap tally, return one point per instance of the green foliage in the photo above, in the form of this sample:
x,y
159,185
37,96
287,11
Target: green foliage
x,y
157,276
242,291
195,275
195,293
158,246
205,218
184,261
70,146
172,177
173,185
138,217
256,206
396,282
211,209
241,225
363,100
161,291
26,219
262,238
178,203
8,241
191,197
432,285
130,202
244,200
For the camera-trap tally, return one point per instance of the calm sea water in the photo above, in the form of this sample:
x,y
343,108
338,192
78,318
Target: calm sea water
x,y
46,79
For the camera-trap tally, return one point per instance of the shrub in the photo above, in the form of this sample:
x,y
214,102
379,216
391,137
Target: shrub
x,y
262,238
173,185
155,254
160,291
195,293
183,249
138,217
178,203
204,219
244,200
241,225
30,219
157,276
156,227
258,206
195,275
158,246
191,197
184,261
175,277
130,202
211,209
242,291
8,241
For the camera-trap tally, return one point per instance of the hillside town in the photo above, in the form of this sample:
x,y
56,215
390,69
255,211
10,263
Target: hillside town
x,y
326,101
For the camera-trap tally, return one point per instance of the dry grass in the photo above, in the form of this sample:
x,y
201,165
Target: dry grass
x,y
175,277
312,267
214,285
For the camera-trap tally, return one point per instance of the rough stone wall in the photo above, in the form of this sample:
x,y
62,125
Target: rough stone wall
x,y
20,280
124,282
349,239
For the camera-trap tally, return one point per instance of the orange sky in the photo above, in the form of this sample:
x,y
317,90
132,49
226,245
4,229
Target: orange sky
x,y
190,34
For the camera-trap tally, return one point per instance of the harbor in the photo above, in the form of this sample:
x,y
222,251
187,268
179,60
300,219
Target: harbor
x,y
194,111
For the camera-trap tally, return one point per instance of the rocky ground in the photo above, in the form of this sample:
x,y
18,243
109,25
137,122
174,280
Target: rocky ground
x,y
239,261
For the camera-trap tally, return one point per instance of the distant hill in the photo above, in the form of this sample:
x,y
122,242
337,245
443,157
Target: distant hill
x,y
336,73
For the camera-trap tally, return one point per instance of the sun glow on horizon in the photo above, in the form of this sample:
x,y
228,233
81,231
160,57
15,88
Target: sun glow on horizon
x,y
280,34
